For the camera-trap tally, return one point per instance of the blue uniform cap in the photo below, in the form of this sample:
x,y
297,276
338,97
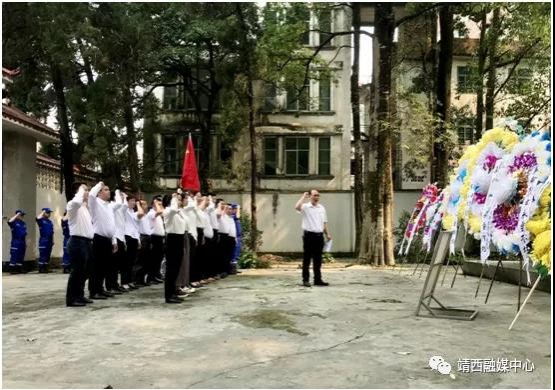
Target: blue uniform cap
x,y
46,210
234,205
20,211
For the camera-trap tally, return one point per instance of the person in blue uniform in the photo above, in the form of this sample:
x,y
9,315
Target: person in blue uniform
x,y
18,245
46,238
236,214
65,230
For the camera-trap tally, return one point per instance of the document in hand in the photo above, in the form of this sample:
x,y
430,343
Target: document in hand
x,y
327,246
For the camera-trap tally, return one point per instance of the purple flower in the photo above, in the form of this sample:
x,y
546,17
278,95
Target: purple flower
x,y
526,160
506,217
480,198
489,163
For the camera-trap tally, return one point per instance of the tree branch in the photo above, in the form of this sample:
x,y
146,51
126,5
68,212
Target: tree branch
x,y
417,14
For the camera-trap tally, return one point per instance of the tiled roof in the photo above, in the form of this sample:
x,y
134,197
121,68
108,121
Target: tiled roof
x,y
16,115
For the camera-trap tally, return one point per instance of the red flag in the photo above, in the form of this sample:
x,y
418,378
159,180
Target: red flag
x,y
189,177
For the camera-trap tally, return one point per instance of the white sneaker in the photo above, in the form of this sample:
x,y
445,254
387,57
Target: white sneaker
x,y
189,290
182,295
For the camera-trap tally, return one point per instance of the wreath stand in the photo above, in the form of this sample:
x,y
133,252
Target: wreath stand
x,y
441,249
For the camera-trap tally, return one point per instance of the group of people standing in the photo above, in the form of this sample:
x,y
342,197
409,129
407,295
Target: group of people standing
x,y
118,242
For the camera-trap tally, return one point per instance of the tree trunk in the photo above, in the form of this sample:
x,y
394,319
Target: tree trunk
x,y
443,92
490,82
482,50
355,106
132,157
432,95
247,51
378,220
65,131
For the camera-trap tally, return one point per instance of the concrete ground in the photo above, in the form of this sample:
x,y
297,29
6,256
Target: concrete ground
x,y
262,329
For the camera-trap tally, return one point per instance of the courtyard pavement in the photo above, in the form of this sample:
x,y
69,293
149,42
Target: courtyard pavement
x,y
262,329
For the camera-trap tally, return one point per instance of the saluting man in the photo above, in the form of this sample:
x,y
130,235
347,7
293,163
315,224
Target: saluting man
x,y
18,245
46,238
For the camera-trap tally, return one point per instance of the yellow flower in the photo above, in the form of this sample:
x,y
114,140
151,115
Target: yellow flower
x,y
448,222
474,223
541,248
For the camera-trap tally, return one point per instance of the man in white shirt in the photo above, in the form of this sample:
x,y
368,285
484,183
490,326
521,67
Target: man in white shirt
x,y
155,217
104,240
132,216
119,207
314,225
79,246
144,257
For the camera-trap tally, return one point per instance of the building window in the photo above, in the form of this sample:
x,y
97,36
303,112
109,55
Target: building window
x,y
324,97
170,98
296,155
270,97
325,26
520,82
465,131
466,80
298,101
174,147
324,156
270,155
170,155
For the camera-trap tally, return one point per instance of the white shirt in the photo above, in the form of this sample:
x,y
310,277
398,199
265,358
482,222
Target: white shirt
x,y
174,219
146,225
119,216
200,218
232,229
104,223
191,216
157,223
208,231
314,217
79,217
132,224
211,209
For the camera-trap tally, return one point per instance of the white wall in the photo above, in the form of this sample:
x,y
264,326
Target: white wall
x,y
18,188
281,224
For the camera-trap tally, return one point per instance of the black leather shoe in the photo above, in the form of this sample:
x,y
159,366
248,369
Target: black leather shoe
x,y
113,291
85,300
107,294
159,280
98,296
122,289
132,286
66,270
306,284
321,283
174,300
75,304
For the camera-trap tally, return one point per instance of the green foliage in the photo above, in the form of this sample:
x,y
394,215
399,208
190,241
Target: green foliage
x,y
327,258
245,220
247,259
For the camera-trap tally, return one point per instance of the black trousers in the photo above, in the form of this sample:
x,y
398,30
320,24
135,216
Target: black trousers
x,y
199,270
102,256
80,250
313,244
174,255
115,267
130,259
208,258
193,259
156,257
141,266
223,253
